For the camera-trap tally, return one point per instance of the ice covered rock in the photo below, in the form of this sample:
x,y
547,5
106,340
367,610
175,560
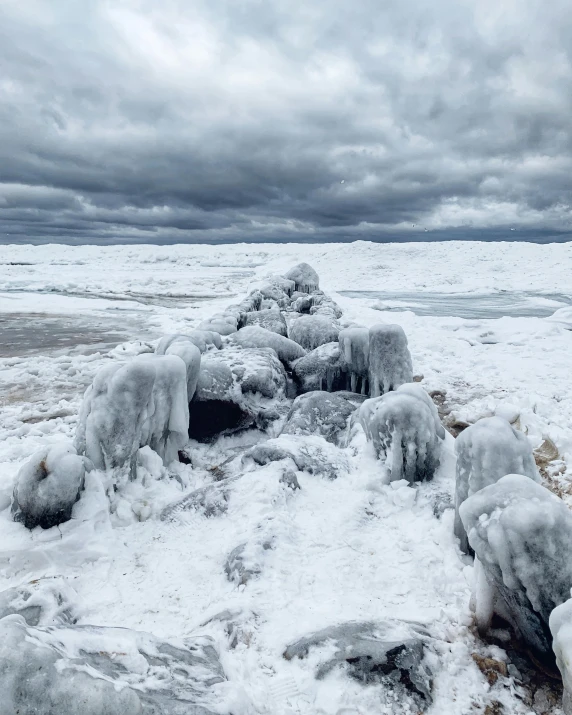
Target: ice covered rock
x,y
321,413
48,485
311,331
254,336
389,359
324,305
405,434
354,347
272,320
275,288
222,323
210,500
321,369
94,670
143,402
561,628
391,651
45,602
521,535
487,451
203,339
189,353
245,562
305,278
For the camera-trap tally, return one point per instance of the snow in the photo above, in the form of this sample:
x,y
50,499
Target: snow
x,y
343,550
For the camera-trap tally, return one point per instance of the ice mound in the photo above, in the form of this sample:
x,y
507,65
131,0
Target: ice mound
x,y
311,331
486,451
521,534
354,346
561,629
320,413
222,323
305,278
45,602
203,339
254,336
321,369
389,359
189,353
272,320
48,485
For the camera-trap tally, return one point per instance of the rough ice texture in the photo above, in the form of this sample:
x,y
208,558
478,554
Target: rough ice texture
x,y
561,628
321,369
94,670
245,561
389,359
45,602
189,353
404,433
354,347
141,403
486,451
322,304
319,413
272,320
222,324
256,337
305,278
48,485
311,331
203,339
210,500
521,534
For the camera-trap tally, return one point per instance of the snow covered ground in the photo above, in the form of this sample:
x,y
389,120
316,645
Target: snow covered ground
x,y
349,549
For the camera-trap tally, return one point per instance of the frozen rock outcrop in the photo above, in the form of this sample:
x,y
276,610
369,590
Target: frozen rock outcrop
x,y
94,670
222,323
189,353
521,535
320,413
405,432
354,346
305,278
389,359
486,451
561,628
44,601
48,485
141,403
311,331
272,320
321,369
254,336
203,339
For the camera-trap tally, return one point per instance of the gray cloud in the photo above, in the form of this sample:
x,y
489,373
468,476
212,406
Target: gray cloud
x,y
285,120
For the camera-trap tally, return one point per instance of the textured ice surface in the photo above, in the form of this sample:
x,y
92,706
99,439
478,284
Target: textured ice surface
x,y
45,602
405,433
272,320
48,485
521,534
189,353
203,339
486,451
321,413
222,324
321,369
389,359
354,347
305,278
141,403
311,331
561,629
257,337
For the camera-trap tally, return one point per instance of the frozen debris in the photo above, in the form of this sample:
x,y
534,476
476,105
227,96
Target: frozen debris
x,y
354,347
391,652
48,485
319,413
189,353
311,331
210,500
94,670
487,451
389,359
255,336
245,561
561,629
143,402
272,320
45,602
321,369
305,278
405,432
521,534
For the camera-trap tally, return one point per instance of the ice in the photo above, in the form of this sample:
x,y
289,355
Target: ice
x,y
189,353
224,324
257,337
521,534
321,369
319,413
45,602
354,346
487,451
48,485
143,402
305,278
245,562
311,331
272,320
561,628
405,433
389,359
203,339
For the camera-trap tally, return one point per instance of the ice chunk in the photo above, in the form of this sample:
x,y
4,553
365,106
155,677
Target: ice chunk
x,y
223,323
319,413
272,320
522,534
45,601
354,346
203,339
389,359
256,337
189,354
305,278
143,402
321,369
311,331
48,485
487,451
404,433
561,629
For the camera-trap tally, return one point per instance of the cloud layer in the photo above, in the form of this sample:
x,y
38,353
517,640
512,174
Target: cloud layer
x,y
217,120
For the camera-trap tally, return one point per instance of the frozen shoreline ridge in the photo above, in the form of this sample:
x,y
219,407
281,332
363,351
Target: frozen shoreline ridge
x,y
281,527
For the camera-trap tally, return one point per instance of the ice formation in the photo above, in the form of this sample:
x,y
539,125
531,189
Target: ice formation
x,y
189,353
254,336
305,278
487,451
389,359
321,369
405,434
222,323
141,403
44,601
311,331
203,339
48,485
521,534
319,413
561,628
272,320
354,346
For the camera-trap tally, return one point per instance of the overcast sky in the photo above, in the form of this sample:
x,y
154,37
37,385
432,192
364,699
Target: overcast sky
x,y
214,120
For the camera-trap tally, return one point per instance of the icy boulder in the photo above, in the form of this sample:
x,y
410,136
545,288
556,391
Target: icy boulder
x,y
389,359
354,346
222,323
272,320
48,485
254,336
311,331
561,629
486,451
321,369
45,601
141,403
319,413
203,339
189,354
275,288
94,670
405,434
324,305
522,535
305,278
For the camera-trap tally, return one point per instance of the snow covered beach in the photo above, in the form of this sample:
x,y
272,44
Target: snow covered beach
x,y
352,549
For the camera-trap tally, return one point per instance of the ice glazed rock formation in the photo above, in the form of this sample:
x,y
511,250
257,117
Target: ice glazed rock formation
x,y
272,320
48,485
311,331
486,451
44,602
321,369
203,339
319,413
389,359
189,353
141,403
222,323
305,278
522,535
561,628
354,347
254,336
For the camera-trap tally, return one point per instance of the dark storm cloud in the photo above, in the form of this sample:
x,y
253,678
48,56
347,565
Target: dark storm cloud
x,y
284,120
